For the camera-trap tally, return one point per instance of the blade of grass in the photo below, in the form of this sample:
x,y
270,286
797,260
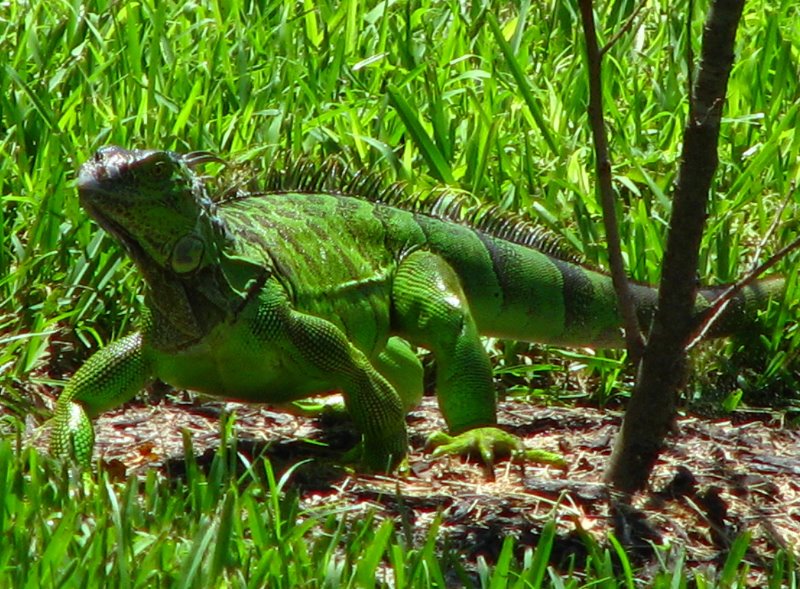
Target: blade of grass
x,y
523,85
430,153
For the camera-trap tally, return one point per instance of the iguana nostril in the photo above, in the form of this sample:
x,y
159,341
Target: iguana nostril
x,y
109,151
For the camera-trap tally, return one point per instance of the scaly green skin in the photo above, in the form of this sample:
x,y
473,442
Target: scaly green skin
x,y
278,296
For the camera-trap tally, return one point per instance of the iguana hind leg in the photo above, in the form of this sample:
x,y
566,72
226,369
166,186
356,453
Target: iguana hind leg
x,y
431,310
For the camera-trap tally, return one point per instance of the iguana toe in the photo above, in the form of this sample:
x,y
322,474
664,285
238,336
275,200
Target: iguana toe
x,y
490,443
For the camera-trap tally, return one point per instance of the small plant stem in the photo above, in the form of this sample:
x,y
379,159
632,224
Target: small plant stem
x,y
626,26
633,337
715,311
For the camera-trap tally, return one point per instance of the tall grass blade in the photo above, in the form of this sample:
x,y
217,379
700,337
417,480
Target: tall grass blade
x,y
523,85
430,153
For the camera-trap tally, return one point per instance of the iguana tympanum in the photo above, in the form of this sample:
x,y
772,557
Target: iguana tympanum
x,y
313,284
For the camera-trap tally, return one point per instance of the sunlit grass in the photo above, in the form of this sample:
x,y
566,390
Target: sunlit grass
x,y
235,523
490,99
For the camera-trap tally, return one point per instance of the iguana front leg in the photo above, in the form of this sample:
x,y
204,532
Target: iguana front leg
x,y
318,349
431,310
373,404
109,378
398,364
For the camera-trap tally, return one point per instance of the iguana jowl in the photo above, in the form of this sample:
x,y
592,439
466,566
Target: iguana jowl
x,y
306,287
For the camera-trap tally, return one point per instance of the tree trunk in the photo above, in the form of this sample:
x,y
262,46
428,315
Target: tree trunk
x,y
661,371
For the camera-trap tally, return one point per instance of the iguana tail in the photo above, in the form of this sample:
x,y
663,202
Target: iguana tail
x,y
520,293
742,311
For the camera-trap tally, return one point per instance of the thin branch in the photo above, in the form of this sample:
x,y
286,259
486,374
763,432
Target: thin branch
x,y
773,226
689,54
715,311
626,26
633,336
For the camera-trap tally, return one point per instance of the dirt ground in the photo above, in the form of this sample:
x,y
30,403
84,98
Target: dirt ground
x,y
717,478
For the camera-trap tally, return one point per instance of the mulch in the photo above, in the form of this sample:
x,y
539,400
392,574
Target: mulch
x,y
716,479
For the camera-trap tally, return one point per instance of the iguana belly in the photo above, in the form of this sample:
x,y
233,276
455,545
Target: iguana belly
x,y
232,364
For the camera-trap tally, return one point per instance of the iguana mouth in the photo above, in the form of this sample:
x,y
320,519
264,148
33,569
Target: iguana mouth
x,y
91,191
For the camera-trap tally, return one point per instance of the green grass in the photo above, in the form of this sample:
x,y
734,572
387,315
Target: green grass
x,y
485,97
426,92
236,524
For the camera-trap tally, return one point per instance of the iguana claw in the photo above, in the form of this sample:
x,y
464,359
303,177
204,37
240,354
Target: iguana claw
x,y
490,443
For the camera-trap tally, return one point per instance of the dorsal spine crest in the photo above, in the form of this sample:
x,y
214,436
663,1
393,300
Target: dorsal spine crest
x,y
332,176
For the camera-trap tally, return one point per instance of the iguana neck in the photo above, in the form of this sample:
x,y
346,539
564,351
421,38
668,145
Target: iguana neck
x,y
186,309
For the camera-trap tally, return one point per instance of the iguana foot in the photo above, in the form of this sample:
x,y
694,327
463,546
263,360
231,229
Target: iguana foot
x,y
73,435
490,443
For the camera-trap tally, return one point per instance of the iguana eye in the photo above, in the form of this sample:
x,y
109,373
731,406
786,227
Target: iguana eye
x,y
187,254
160,170
154,167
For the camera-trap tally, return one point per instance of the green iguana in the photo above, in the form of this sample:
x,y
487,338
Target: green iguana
x,y
311,285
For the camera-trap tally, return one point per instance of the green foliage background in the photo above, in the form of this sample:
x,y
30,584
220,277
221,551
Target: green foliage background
x,y
428,90
486,96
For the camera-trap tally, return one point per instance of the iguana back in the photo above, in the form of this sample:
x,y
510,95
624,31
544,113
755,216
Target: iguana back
x,y
337,253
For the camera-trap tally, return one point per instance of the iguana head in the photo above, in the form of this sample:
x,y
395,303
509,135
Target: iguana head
x,y
159,209
155,204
